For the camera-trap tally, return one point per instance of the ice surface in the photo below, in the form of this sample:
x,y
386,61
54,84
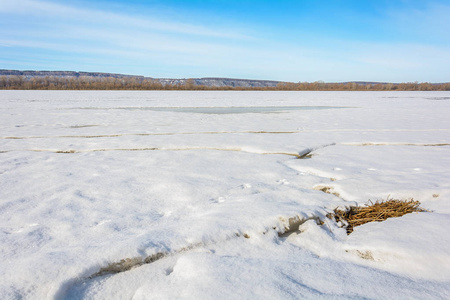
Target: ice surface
x,y
85,184
225,110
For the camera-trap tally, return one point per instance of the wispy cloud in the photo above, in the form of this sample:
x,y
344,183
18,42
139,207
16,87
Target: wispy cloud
x,y
429,23
93,32
55,11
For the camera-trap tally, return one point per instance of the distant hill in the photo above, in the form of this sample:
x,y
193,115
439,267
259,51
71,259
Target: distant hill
x,y
208,81
70,80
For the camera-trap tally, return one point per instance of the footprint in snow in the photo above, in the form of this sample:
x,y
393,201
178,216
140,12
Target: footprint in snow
x,y
218,200
283,181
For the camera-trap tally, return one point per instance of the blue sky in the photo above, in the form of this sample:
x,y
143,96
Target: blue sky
x,y
303,40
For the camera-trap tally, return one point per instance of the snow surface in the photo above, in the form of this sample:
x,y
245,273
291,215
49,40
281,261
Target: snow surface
x,y
208,180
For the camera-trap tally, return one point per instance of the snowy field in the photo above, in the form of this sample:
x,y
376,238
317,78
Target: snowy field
x,y
186,195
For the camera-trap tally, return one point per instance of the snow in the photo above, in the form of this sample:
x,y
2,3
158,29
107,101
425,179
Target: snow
x,y
208,180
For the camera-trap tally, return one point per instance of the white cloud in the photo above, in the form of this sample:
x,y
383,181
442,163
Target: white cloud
x,y
64,13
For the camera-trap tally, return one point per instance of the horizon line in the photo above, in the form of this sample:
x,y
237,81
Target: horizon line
x,y
208,77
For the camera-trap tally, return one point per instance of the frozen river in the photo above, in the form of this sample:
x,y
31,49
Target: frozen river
x,y
183,195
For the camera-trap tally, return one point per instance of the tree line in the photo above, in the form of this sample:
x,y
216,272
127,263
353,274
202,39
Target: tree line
x,y
18,82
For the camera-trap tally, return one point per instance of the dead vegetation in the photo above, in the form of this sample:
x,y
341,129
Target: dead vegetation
x,y
327,190
92,81
127,264
374,212
66,151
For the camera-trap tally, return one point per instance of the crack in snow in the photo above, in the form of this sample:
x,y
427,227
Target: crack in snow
x,y
307,152
71,151
145,134
215,132
294,223
396,144
124,265
290,226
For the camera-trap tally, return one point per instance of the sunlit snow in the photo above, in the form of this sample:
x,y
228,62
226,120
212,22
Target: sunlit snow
x,y
185,195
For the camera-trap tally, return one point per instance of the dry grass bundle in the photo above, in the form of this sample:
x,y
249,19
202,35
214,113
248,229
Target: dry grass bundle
x,y
378,211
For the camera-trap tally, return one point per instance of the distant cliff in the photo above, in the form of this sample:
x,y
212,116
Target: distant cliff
x,y
63,74
221,82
